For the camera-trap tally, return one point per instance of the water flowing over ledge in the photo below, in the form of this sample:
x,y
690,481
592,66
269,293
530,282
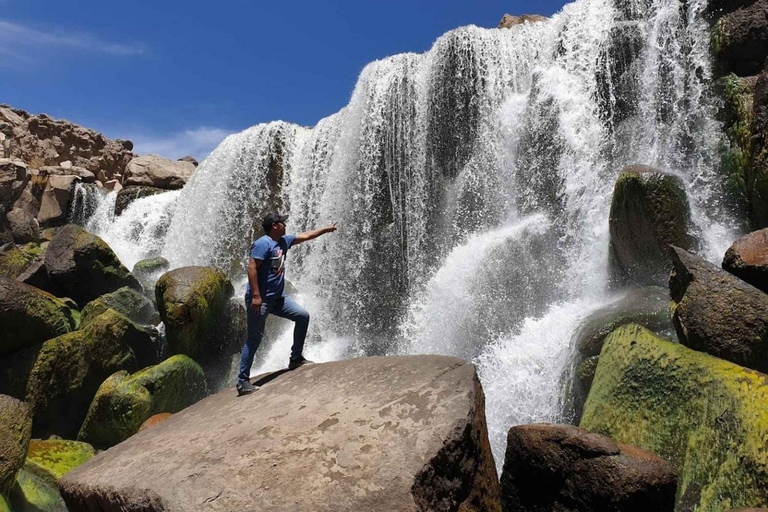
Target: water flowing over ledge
x,y
472,185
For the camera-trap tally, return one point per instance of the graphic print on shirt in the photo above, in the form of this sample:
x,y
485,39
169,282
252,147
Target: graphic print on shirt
x,y
276,261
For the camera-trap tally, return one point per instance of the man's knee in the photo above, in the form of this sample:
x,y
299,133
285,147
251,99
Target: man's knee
x,y
303,317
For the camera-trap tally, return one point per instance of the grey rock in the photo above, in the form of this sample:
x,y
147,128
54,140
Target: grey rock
x,y
127,195
374,434
24,227
156,171
13,179
54,204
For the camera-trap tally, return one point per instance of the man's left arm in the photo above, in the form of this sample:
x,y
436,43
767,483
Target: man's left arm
x,y
309,235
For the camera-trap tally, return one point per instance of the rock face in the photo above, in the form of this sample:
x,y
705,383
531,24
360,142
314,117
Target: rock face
x,y
740,38
13,261
562,467
125,301
649,211
55,200
747,259
24,227
194,306
373,434
717,313
124,402
84,266
69,370
703,414
156,171
508,20
30,316
13,178
15,432
51,141
149,271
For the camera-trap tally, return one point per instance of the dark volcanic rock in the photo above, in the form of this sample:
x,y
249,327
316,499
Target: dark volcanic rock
x,y
24,227
747,259
741,38
129,194
13,178
373,434
562,467
649,211
15,432
717,313
84,266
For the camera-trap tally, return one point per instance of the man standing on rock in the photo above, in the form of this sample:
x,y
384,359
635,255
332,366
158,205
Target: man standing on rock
x,y
266,294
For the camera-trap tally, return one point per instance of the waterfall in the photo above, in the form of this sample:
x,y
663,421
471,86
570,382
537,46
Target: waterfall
x,y
86,199
472,186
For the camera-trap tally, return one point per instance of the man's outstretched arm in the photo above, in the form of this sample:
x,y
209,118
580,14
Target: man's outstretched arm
x,y
309,235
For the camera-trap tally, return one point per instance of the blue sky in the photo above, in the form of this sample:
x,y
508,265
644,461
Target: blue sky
x,y
177,76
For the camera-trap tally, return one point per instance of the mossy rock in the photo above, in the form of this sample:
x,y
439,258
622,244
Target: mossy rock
x,y
194,304
13,261
15,432
149,270
37,486
69,370
649,211
29,316
15,368
129,194
84,266
705,415
5,504
126,301
124,402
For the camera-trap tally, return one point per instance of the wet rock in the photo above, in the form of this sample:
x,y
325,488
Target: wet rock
x,y
30,316
374,434
84,266
701,413
15,432
156,171
194,304
37,487
125,301
24,227
69,370
717,313
148,271
740,38
747,259
508,21
649,211
40,138
562,467
54,204
129,194
15,368
124,402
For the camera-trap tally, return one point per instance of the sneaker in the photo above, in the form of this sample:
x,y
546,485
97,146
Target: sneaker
x,y
300,361
245,387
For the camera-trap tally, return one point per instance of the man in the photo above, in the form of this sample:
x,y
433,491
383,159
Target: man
x,y
266,294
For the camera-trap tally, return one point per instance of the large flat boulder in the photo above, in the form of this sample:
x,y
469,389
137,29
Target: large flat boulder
x,y
156,171
747,259
373,434
717,313
704,415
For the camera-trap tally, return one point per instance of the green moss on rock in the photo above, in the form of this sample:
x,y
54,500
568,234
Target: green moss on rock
x,y
5,505
15,431
126,301
703,414
123,402
70,368
36,491
29,316
13,261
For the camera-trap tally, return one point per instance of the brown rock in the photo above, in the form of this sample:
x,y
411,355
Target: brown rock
x,y
717,313
24,227
156,171
741,38
57,195
565,468
85,175
189,159
127,195
28,201
508,20
15,432
155,420
373,434
747,259
13,179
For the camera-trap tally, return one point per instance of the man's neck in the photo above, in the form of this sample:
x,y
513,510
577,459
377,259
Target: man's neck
x,y
274,237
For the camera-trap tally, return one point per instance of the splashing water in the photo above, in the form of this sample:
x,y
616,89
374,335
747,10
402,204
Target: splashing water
x,y
472,185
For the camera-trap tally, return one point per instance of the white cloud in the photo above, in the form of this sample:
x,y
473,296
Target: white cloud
x,y
26,43
197,142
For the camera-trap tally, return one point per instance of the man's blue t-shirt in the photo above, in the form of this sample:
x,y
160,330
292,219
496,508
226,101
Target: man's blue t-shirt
x,y
272,270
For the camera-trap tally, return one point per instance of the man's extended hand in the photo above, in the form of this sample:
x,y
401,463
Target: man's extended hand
x,y
331,228
311,235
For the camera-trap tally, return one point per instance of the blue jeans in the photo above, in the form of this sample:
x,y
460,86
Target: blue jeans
x,y
284,307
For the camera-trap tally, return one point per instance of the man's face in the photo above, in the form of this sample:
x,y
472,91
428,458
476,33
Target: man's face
x,y
278,229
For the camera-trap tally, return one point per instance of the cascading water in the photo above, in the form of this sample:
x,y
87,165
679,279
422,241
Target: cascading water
x,y
472,185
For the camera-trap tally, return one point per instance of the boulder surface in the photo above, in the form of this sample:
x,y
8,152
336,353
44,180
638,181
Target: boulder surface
x,y
717,313
15,432
747,259
562,467
374,434
156,171
704,415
